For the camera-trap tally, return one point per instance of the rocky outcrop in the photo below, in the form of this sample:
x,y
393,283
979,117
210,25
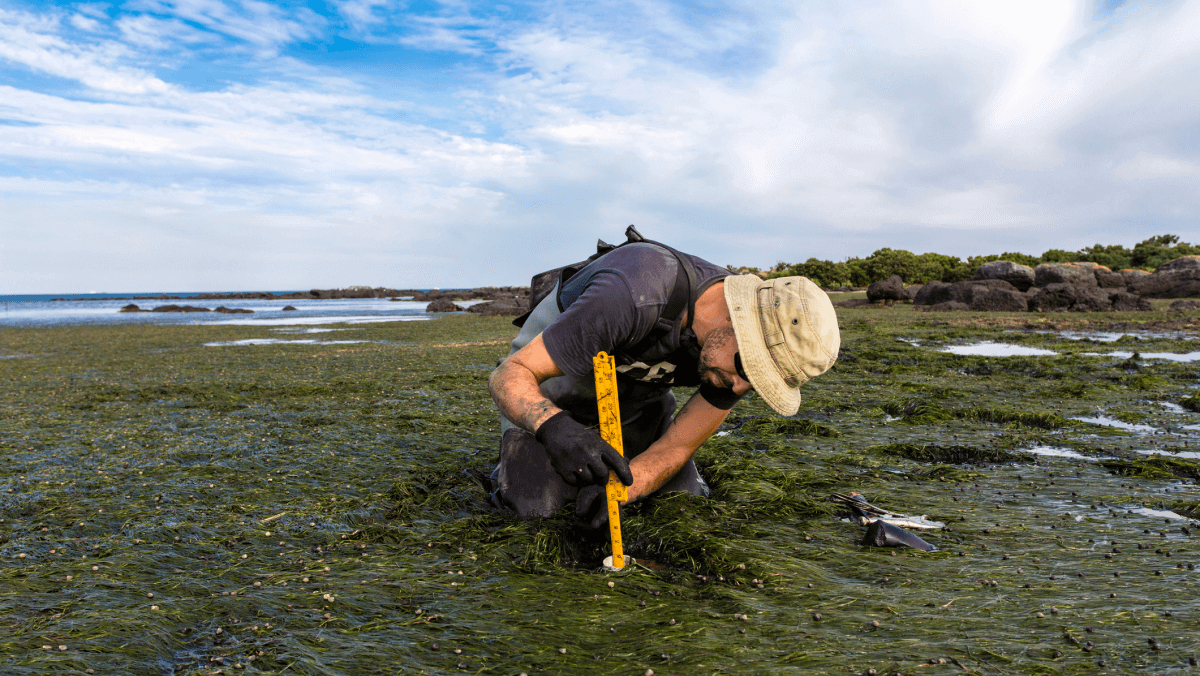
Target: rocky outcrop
x,y
501,308
1061,297
1133,275
891,288
1107,279
233,311
910,292
933,293
1129,302
999,300
1064,273
442,305
1179,278
132,308
962,292
1020,276
1188,305
180,308
288,308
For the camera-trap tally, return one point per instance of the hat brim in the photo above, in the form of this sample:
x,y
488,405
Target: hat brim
x,y
741,296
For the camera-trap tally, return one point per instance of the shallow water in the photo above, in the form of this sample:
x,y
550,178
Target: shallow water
x,y
1187,357
266,312
991,349
281,341
1113,422
1052,452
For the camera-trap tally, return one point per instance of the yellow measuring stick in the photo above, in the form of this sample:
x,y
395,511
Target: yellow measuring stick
x,y
610,431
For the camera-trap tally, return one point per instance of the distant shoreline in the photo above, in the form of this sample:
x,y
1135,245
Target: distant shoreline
x,y
314,294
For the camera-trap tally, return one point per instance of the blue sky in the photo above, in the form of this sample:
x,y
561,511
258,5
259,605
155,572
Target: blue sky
x,y
210,144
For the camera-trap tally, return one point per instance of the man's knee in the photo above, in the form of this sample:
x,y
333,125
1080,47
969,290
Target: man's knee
x,y
525,479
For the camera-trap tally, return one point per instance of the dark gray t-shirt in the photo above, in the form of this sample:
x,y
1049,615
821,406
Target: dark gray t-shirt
x,y
613,304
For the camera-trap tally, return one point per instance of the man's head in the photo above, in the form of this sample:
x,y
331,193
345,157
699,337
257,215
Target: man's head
x,y
786,331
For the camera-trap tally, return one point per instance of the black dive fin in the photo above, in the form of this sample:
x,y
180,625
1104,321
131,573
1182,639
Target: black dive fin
x,y
884,534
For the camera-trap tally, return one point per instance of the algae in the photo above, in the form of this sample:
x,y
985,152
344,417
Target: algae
x,y
353,479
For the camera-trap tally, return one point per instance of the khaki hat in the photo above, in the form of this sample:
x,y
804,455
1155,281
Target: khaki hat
x,y
787,332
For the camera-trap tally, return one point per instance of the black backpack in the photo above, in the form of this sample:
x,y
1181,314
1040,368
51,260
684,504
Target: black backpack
x,y
681,295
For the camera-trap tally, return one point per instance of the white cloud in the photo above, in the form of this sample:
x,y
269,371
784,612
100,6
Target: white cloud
x,y
31,41
771,131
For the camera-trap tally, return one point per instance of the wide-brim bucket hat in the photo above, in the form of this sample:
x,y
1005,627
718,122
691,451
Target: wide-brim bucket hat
x,y
787,332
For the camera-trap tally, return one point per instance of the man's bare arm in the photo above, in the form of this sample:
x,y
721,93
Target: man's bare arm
x,y
696,422
514,385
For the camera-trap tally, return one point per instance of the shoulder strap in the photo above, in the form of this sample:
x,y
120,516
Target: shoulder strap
x,y
682,295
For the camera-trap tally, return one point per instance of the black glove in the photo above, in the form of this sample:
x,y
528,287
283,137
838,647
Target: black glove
x,y
578,454
591,505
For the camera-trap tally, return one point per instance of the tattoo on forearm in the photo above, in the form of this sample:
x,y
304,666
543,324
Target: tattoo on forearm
x,y
516,394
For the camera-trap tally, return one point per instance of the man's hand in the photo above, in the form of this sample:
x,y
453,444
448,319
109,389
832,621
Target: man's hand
x,y
578,454
591,505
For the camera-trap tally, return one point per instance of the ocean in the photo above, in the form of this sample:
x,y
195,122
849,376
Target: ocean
x,y
40,310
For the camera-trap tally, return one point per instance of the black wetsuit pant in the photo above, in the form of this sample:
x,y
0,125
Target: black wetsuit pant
x,y
527,483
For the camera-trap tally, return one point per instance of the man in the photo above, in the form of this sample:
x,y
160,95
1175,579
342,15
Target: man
x,y
671,320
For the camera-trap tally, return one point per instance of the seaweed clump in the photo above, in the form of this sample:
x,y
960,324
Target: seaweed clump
x,y
1191,403
954,455
925,412
1157,467
802,426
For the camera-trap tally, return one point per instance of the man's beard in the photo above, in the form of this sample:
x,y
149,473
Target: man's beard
x,y
716,341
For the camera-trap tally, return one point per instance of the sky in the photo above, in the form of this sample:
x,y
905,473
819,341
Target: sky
x,y
188,145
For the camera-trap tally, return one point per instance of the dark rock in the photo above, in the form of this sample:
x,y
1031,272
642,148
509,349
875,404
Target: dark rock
x,y
1020,276
132,308
933,293
999,300
1128,302
1131,275
1070,297
1179,278
949,306
962,292
288,308
891,288
910,292
1064,273
1107,279
233,311
501,308
442,305
180,308
1187,305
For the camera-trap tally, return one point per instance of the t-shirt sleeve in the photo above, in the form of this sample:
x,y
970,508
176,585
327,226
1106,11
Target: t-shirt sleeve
x,y
604,317
720,397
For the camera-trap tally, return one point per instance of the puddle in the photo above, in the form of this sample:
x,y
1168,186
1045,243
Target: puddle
x,y
280,341
1186,357
290,330
1113,422
1156,513
1172,407
1113,336
14,356
1053,452
990,349
1189,455
290,321
911,341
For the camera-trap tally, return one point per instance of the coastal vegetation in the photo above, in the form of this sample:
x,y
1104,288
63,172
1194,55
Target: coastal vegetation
x,y
921,268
